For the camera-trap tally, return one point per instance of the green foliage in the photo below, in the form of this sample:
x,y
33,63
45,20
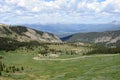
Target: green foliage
x,y
6,31
104,50
90,37
98,68
8,44
39,32
22,68
9,69
19,66
19,29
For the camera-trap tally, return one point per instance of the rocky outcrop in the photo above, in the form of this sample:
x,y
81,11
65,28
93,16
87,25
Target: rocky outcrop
x,y
22,33
107,37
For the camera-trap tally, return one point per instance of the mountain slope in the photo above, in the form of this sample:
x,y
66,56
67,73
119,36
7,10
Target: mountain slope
x,y
63,30
107,37
22,33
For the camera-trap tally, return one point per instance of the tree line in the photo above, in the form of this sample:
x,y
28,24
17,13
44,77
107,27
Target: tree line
x,y
9,69
104,50
8,44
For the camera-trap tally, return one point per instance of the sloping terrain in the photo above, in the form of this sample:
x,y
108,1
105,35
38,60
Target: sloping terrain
x,y
63,30
21,33
107,37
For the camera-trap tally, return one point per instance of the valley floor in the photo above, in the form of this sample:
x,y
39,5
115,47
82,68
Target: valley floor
x,y
102,67
66,59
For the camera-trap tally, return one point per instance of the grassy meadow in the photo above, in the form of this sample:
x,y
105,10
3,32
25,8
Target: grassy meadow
x,y
89,68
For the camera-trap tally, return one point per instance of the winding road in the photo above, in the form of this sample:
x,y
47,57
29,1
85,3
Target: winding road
x,y
75,58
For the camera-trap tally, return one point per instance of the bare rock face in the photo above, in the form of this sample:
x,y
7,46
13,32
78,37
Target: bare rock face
x,y
103,39
22,34
107,37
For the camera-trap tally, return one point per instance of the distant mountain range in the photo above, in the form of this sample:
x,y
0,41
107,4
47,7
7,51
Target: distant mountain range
x,y
63,30
115,22
107,37
23,34
86,33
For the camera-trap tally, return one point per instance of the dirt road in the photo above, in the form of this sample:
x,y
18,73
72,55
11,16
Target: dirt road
x,y
66,59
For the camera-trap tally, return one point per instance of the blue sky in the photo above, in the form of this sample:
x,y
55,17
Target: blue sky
x,y
59,11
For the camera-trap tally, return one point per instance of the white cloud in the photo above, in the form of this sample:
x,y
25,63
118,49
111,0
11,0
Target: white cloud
x,y
18,12
3,9
66,11
35,9
111,5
